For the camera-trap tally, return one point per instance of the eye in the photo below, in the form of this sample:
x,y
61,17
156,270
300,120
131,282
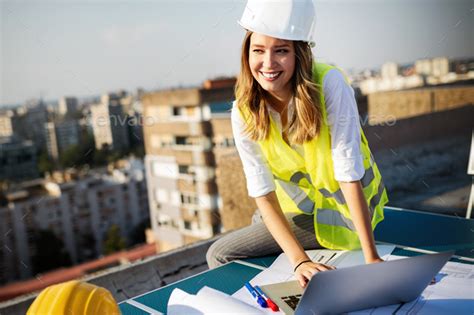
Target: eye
x,y
282,50
258,51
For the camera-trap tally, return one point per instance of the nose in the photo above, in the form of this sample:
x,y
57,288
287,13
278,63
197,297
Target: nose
x,y
268,59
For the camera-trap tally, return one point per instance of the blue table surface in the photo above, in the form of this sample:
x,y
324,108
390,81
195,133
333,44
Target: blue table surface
x,y
401,227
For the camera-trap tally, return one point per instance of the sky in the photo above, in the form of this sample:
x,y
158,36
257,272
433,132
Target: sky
x,y
51,49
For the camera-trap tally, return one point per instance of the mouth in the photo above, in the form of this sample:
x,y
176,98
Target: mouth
x,y
271,76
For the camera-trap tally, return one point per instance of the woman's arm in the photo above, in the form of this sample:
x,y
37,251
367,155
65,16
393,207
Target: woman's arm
x,y
278,226
360,216
343,120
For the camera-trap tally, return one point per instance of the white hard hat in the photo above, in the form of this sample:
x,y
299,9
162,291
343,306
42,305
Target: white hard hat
x,y
284,19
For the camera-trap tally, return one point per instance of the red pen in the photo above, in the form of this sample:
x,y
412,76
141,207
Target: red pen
x,y
270,303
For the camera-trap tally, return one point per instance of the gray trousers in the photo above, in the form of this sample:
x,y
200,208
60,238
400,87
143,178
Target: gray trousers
x,y
255,241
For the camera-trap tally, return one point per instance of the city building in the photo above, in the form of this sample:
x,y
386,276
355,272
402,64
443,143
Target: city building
x,y
26,122
236,208
392,106
68,106
135,128
181,129
423,67
32,124
435,71
109,123
6,123
78,212
61,135
17,159
390,70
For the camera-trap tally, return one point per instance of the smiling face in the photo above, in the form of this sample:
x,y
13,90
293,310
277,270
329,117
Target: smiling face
x,y
272,63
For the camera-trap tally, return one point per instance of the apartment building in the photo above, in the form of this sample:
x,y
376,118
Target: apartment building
x,y
67,106
435,71
61,135
78,212
6,123
109,123
26,122
17,159
33,122
183,130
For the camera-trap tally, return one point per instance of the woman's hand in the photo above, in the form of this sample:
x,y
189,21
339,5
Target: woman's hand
x,y
374,260
307,270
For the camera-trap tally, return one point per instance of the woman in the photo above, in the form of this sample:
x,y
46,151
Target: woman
x,y
305,157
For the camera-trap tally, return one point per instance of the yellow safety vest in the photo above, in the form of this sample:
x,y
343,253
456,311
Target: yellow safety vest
x,y
306,184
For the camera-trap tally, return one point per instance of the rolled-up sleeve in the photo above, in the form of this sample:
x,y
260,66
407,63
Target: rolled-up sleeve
x,y
344,125
257,171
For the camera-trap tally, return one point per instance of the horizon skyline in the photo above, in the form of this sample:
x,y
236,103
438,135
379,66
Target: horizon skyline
x,y
134,90
44,55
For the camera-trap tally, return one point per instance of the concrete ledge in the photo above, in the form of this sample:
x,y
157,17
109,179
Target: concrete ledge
x,y
130,280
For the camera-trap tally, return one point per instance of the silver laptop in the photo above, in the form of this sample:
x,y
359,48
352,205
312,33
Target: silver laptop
x,y
360,287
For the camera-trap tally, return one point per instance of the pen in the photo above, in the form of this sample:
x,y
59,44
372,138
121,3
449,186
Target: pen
x,y
270,303
327,261
260,300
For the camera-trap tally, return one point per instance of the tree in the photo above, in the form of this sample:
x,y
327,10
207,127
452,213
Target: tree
x,y
80,154
44,163
49,252
114,241
70,157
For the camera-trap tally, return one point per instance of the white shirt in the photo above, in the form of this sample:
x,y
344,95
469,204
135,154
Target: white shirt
x,y
344,128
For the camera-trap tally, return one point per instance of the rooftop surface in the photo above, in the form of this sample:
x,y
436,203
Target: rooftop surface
x,y
420,230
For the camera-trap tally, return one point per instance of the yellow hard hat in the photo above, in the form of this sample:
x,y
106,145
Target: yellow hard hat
x,y
74,297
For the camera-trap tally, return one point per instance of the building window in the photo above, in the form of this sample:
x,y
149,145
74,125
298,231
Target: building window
x,y
180,140
187,225
161,195
216,229
176,111
183,169
189,199
231,142
225,143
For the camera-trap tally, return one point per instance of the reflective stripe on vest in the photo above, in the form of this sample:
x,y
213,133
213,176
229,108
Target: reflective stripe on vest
x,y
376,199
301,199
296,177
328,216
335,218
339,196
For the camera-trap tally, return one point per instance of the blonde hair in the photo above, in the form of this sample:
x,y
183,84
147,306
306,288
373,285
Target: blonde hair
x,y
305,123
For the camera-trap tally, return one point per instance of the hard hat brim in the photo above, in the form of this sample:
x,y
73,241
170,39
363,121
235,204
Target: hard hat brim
x,y
249,28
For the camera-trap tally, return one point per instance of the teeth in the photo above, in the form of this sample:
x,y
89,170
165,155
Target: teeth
x,y
270,75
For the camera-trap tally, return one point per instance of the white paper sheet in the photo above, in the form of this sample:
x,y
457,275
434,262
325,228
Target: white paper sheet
x,y
207,301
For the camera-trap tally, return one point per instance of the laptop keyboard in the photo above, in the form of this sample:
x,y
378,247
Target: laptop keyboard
x,y
292,300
